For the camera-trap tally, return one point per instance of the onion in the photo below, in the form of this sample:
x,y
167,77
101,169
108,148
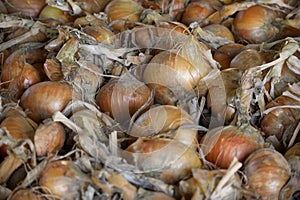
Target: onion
x,y
220,30
54,16
26,194
52,69
63,179
18,73
220,145
278,120
226,53
122,11
164,119
197,11
92,6
122,97
267,172
293,157
174,76
49,138
30,8
19,127
168,160
246,59
151,195
100,33
43,99
255,25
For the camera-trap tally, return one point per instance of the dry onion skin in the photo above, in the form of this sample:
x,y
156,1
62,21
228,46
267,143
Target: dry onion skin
x,y
220,145
43,99
267,171
63,179
26,194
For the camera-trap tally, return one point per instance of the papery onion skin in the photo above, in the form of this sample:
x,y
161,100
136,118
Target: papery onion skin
x,y
225,143
43,99
254,25
246,59
168,160
49,138
123,10
267,171
63,179
30,8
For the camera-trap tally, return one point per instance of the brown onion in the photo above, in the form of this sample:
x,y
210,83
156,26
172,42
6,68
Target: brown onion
x,y
43,99
100,33
255,25
92,6
220,145
226,52
19,127
49,138
30,8
151,195
168,160
122,97
220,30
63,179
293,157
278,120
197,11
246,59
164,119
54,16
267,171
26,194
123,10
174,76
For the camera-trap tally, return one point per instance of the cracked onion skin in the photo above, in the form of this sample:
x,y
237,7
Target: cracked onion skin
x,y
41,100
255,25
220,145
267,171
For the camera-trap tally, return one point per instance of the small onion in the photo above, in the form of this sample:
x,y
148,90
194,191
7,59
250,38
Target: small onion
x,y
122,97
164,119
54,16
220,30
293,157
49,138
267,172
278,120
255,25
226,53
26,194
30,8
63,179
151,195
123,10
100,33
166,159
220,145
92,6
19,127
173,76
246,59
43,99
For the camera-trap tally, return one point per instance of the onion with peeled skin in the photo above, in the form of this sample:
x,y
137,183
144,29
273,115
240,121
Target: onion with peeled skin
x,y
267,171
43,99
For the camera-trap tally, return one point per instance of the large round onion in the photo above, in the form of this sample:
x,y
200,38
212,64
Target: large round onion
x,y
222,144
43,99
267,172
